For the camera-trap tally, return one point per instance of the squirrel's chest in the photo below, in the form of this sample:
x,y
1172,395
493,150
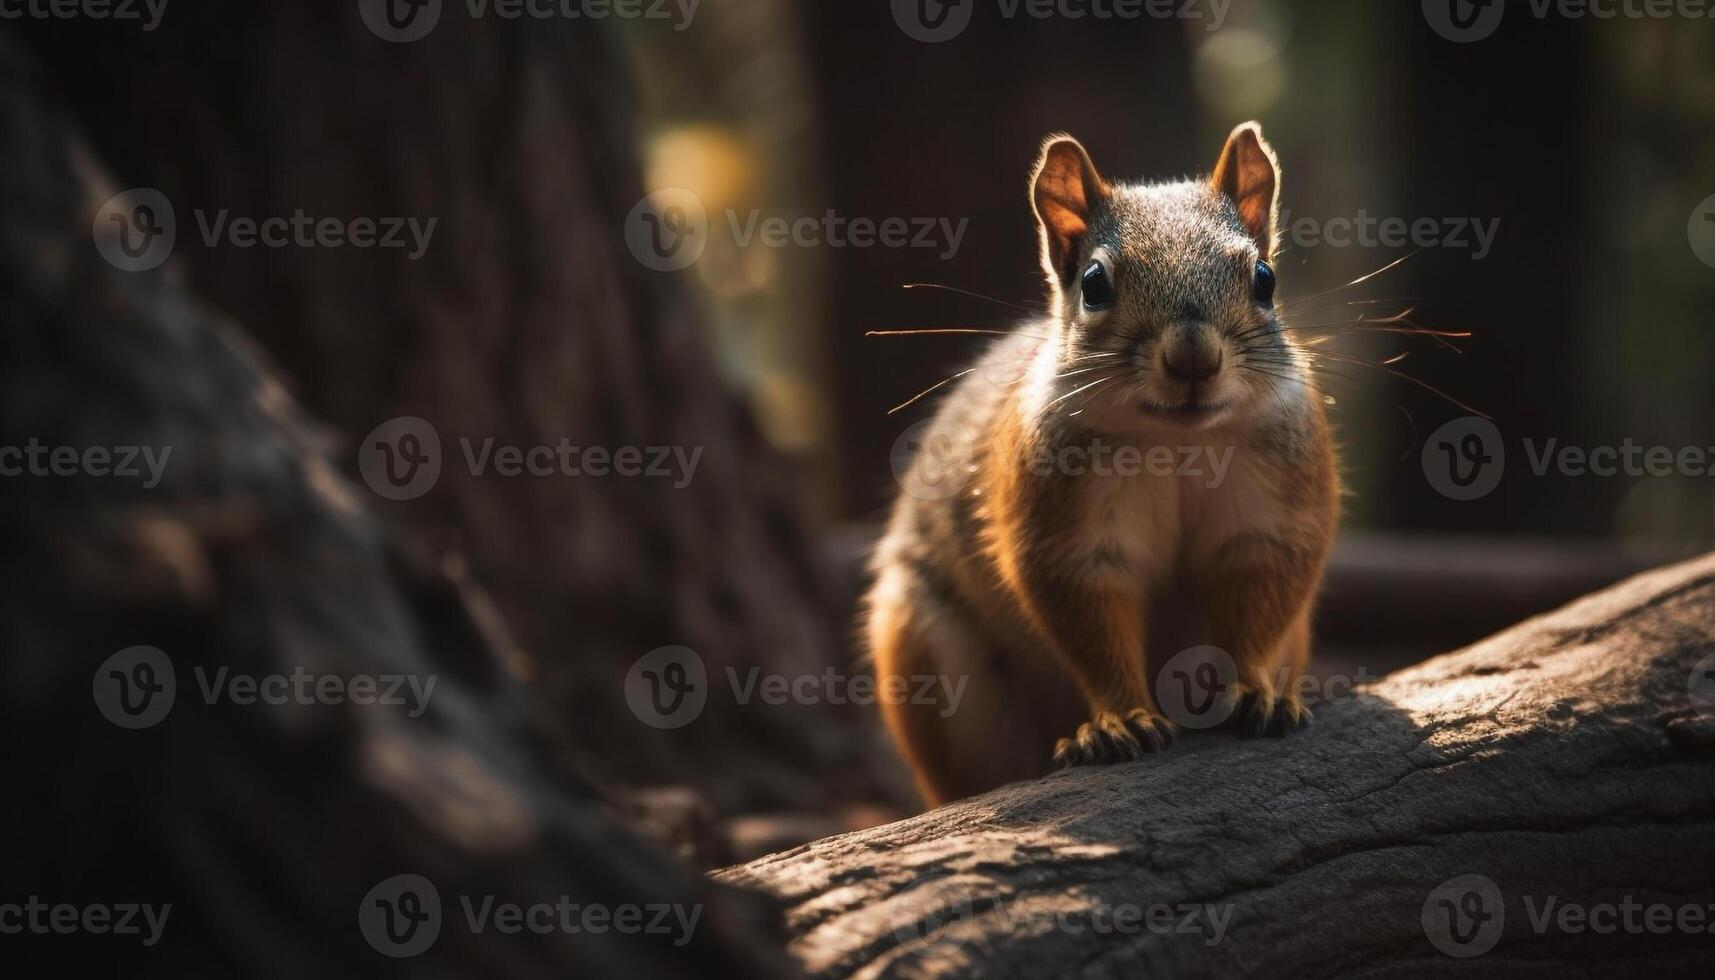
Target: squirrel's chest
x,y
1141,529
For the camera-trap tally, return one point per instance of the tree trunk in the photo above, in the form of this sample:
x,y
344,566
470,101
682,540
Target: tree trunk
x,y
266,826
525,321
1569,759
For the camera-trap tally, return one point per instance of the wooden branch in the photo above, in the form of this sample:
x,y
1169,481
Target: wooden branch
x,y
1572,757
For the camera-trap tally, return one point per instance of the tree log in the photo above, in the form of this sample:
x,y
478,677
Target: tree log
x,y
1568,758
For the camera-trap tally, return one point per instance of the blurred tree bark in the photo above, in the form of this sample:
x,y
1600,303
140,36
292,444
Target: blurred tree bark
x,y
264,829
526,320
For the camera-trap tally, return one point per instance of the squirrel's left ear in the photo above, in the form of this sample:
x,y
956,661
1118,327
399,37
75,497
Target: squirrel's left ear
x,y
1249,175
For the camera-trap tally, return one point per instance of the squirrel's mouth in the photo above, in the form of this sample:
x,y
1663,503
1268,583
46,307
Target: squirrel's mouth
x,y
1189,411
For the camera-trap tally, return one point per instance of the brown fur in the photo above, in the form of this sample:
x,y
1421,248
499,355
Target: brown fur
x,y
1057,594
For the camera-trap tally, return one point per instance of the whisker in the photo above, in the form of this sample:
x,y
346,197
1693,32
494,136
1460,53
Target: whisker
x,y
917,397
1348,359
967,292
1074,391
1361,279
941,330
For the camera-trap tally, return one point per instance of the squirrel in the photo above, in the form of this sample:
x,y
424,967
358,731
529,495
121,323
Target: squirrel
x,y
1058,590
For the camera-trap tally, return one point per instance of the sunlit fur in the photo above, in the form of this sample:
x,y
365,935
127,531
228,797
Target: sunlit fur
x,y
1056,596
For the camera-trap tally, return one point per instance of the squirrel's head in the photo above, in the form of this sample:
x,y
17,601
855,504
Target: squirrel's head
x,y
1164,291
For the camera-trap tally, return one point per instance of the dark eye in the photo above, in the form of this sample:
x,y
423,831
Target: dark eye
x,y
1098,291
1263,285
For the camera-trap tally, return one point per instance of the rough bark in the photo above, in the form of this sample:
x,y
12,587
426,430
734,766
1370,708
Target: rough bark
x,y
525,321
263,826
1570,756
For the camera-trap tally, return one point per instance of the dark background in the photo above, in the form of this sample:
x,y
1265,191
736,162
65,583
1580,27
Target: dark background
x,y
529,320
1588,140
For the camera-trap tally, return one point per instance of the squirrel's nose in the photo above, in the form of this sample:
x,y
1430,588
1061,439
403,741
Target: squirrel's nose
x,y
1190,358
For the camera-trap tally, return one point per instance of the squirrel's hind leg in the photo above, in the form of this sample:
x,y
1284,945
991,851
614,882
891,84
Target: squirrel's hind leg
x,y
949,700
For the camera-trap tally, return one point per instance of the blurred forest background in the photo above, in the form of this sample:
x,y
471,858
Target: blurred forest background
x,y
1590,142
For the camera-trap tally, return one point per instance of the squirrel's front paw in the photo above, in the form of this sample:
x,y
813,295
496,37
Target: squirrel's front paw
x,y
1108,738
1257,713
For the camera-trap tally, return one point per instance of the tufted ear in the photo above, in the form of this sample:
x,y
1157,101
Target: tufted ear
x,y
1249,175
1064,190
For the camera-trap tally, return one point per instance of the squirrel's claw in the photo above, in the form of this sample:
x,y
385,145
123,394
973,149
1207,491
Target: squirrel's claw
x,y
1257,715
1108,738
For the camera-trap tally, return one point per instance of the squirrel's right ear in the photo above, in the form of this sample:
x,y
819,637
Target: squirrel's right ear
x,y
1064,189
